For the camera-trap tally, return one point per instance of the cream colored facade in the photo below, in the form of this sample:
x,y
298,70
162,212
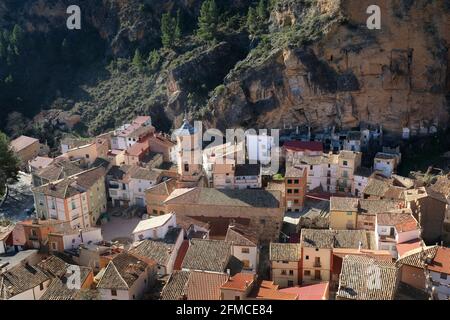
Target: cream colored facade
x,y
285,273
316,265
343,220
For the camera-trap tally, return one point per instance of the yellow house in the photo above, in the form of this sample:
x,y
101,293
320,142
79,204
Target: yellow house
x,y
285,263
317,250
78,199
26,149
343,213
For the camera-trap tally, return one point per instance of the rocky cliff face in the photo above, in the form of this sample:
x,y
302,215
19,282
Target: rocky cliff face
x,y
397,76
317,65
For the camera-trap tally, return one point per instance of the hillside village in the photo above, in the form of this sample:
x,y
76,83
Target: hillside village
x,y
129,215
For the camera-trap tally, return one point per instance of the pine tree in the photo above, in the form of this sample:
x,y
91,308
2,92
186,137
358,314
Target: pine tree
x,y
251,21
138,61
9,164
167,30
16,39
178,27
208,20
153,59
261,11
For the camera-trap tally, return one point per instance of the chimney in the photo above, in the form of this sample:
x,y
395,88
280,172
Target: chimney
x,y
228,272
360,246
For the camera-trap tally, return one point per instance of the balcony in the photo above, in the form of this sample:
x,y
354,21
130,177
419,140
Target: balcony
x,y
317,264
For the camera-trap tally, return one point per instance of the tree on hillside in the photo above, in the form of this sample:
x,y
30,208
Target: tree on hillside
x,y
178,33
208,20
138,61
154,59
9,164
168,25
251,21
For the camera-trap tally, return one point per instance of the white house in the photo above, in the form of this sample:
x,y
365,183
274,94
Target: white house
x,y
154,227
130,133
244,246
353,141
163,251
440,273
386,163
6,238
72,238
360,180
32,285
126,277
322,171
141,179
392,228
259,148
247,176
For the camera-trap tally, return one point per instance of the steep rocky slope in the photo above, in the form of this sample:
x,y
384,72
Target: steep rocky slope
x,y
397,76
317,64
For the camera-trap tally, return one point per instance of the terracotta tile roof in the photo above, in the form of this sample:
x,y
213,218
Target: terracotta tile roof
x,y
138,148
59,169
57,290
441,261
156,250
303,146
285,252
193,285
175,286
403,222
239,282
20,278
6,231
41,162
442,185
328,239
372,207
205,285
186,222
200,253
317,291
22,142
343,204
403,248
72,185
364,278
241,235
240,198
267,290
122,271
143,174
413,258
218,226
294,172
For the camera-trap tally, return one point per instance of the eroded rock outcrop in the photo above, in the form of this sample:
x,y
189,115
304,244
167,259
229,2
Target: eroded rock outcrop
x,y
397,76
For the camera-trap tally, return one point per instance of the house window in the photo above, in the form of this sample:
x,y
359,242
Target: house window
x,y
245,250
73,205
33,233
285,261
310,167
289,181
296,190
291,272
290,283
114,292
186,167
41,286
237,298
296,201
296,181
289,191
283,272
444,276
155,212
307,258
349,213
54,245
345,163
307,273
